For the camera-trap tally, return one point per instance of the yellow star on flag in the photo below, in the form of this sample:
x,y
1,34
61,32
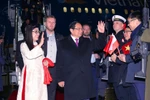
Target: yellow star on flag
x,y
127,48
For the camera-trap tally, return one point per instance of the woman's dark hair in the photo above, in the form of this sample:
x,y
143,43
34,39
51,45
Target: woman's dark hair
x,y
128,27
28,36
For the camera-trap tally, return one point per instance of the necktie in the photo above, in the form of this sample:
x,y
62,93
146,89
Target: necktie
x,y
77,41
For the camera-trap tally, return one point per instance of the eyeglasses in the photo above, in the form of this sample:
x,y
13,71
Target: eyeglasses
x,y
127,31
78,29
37,32
131,20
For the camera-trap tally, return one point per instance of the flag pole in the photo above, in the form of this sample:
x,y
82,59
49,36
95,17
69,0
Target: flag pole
x,y
118,50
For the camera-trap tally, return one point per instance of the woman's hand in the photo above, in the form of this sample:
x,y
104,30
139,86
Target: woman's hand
x,y
45,63
113,57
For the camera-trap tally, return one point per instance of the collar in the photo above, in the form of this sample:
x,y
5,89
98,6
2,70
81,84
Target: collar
x,y
35,43
48,35
73,38
136,31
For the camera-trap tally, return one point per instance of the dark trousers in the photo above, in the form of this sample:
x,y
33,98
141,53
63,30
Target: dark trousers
x,y
51,90
52,86
125,92
140,90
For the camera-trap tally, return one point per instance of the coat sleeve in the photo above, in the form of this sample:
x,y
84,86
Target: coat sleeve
x,y
128,59
59,64
31,54
119,61
2,62
19,56
99,43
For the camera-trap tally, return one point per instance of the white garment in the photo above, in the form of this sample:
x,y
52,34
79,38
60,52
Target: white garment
x,y
35,89
51,47
93,59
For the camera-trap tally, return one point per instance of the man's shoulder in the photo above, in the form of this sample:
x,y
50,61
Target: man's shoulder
x,y
19,42
64,40
120,33
58,35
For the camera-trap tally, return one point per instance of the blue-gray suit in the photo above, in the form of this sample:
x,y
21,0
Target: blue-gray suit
x,y
134,67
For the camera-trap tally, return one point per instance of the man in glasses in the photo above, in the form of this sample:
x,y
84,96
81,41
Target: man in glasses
x,y
125,90
134,63
73,65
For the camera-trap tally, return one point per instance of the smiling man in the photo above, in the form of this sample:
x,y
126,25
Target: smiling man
x,y
134,63
74,71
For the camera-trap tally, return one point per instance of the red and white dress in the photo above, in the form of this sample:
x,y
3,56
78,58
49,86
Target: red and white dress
x,y
32,85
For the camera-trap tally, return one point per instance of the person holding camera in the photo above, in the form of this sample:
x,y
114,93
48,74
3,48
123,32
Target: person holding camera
x,y
134,63
125,91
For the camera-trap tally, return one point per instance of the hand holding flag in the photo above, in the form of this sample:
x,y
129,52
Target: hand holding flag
x,y
112,45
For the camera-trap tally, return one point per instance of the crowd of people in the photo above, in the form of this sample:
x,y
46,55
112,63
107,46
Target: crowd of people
x,y
72,63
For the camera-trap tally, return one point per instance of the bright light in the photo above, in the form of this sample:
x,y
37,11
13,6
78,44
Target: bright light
x,y
93,10
126,11
113,11
86,10
106,11
79,10
100,10
65,9
72,9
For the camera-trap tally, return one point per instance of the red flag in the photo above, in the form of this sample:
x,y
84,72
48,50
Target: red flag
x,y
126,47
111,45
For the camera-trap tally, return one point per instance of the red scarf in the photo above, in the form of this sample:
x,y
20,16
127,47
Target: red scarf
x,y
47,75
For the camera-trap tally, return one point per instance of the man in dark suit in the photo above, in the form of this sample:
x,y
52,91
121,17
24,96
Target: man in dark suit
x,y
96,70
118,26
134,64
50,51
74,71
126,91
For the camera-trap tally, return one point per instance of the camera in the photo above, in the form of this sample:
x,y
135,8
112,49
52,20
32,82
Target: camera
x,y
136,55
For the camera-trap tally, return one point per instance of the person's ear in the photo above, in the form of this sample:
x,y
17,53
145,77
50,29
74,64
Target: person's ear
x,y
71,30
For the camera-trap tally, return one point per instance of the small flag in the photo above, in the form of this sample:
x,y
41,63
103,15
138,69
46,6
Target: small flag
x,y
111,45
126,48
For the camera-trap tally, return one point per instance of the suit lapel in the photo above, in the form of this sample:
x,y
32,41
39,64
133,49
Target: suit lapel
x,y
45,44
72,42
56,38
77,50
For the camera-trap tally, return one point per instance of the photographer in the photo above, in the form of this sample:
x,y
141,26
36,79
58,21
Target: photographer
x,y
134,62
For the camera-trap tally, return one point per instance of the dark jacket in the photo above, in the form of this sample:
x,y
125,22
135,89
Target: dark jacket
x,y
74,67
19,58
133,67
114,67
44,47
